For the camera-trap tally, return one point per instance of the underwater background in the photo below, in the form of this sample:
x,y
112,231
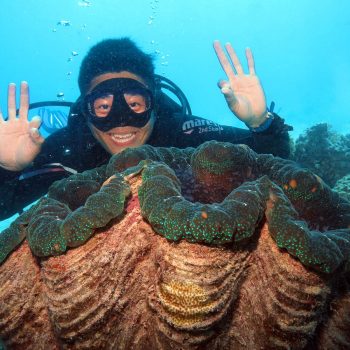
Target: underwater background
x,y
301,50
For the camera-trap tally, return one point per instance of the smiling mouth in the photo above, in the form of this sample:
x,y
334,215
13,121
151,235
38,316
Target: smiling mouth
x,y
122,139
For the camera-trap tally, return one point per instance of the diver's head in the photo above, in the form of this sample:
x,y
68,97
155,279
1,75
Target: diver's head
x,y
117,85
114,56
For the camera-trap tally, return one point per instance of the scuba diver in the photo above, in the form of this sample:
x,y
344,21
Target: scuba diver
x,y
122,105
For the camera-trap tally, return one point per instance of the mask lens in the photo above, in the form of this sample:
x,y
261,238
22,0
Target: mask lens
x,y
102,105
137,100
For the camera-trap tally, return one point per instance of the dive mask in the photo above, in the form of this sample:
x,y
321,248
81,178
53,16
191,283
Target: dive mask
x,y
118,102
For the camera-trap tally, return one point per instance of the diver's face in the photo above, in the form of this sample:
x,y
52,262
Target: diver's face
x,y
118,138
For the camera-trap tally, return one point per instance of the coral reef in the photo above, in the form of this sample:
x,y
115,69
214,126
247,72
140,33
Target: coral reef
x,y
209,248
324,152
342,186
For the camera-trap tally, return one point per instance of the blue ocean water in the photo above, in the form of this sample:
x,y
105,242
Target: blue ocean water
x,y
300,49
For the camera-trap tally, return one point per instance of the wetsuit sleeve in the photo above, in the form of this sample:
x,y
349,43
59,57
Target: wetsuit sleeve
x,y
17,193
19,189
8,184
192,131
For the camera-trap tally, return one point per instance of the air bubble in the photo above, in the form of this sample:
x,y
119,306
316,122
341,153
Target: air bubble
x,y
84,3
60,96
64,23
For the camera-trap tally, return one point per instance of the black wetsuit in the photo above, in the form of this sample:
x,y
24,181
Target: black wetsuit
x,y
75,147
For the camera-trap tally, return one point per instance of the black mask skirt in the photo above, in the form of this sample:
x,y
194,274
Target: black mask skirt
x,y
121,113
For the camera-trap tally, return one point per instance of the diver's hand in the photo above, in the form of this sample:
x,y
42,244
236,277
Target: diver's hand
x,y
20,140
243,92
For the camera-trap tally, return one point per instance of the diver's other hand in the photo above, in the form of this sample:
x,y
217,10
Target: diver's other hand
x,y
243,92
20,139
